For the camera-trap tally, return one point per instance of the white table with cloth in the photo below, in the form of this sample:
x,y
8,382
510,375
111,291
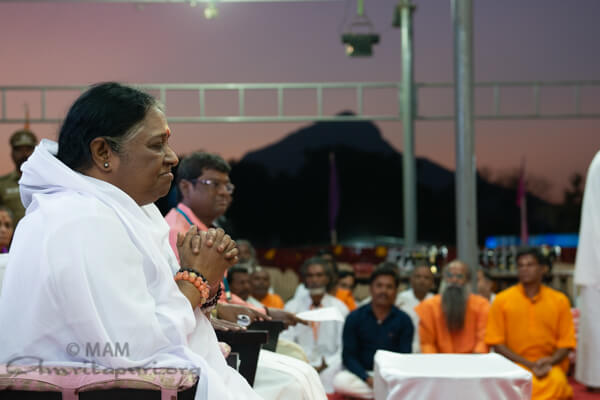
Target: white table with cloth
x,y
449,376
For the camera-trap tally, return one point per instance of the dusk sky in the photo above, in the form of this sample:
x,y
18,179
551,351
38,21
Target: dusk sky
x,y
514,40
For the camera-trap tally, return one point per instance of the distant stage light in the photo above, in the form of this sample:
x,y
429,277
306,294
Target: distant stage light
x,y
359,44
211,11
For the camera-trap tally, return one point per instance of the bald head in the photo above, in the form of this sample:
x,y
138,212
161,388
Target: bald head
x,y
421,281
457,273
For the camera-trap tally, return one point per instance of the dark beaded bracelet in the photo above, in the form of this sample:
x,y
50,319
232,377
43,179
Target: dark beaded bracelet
x,y
212,302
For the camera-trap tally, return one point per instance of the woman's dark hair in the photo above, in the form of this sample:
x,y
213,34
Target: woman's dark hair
x,y
107,110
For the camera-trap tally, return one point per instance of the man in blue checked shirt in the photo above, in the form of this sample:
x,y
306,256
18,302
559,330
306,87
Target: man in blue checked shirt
x,y
378,325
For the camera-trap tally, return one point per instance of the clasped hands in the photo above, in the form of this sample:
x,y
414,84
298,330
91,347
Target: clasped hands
x,y
541,367
209,253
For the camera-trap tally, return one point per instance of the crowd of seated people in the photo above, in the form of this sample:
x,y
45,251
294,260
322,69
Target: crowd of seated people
x,y
417,320
453,321
94,190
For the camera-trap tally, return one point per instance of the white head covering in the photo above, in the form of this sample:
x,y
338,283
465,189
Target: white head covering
x,y
587,262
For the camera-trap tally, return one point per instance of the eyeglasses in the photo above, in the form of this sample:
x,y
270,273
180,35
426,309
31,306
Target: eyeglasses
x,y
215,184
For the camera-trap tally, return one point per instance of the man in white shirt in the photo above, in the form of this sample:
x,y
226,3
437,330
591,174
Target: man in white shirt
x,y
421,283
321,341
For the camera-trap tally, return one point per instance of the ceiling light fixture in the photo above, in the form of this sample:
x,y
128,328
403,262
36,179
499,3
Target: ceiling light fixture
x,y
360,38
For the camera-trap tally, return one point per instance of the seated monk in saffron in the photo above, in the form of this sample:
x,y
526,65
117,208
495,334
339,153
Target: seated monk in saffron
x,y
455,320
531,324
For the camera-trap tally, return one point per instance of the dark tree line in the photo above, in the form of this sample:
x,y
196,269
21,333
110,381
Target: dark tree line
x,y
292,209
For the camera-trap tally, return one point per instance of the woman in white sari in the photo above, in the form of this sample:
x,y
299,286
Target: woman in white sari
x,y
91,264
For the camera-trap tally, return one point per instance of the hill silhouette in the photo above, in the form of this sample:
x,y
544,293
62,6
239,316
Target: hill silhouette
x,y
281,196
288,154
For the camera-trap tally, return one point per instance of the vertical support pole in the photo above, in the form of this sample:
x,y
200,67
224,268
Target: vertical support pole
x,y
577,100
201,100
496,100
320,101
3,104
280,101
163,96
241,101
536,99
359,100
43,104
409,170
466,193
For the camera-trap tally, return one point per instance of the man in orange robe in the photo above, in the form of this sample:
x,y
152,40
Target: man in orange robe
x,y
531,324
455,320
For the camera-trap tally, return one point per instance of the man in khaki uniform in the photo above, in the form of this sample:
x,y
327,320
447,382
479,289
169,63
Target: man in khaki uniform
x,y
22,143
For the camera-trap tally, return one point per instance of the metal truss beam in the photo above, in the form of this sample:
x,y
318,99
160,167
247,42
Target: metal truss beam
x,y
281,90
